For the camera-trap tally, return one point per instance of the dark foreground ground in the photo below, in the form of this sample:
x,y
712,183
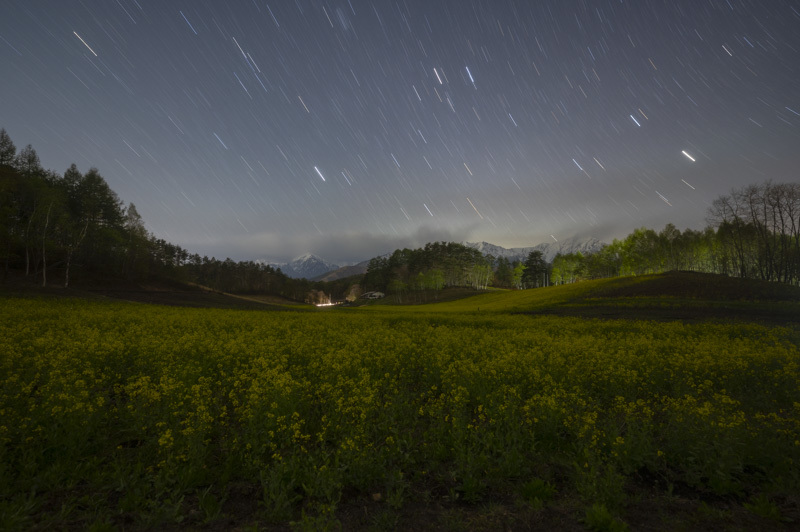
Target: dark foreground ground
x,y
155,292
687,296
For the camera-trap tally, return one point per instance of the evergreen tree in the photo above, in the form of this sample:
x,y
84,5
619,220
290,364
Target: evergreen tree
x,y
27,162
8,151
534,273
503,273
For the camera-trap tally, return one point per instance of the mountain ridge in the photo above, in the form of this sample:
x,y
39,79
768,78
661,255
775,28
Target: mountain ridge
x,y
306,266
313,267
549,249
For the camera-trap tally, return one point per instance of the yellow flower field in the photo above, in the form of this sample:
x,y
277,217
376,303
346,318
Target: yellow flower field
x,y
124,413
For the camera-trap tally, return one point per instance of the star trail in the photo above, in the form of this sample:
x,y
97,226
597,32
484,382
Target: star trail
x,y
349,128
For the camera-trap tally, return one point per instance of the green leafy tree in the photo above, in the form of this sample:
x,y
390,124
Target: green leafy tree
x,y
567,268
605,263
398,288
481,274
670,242
436,279
642,253
517,273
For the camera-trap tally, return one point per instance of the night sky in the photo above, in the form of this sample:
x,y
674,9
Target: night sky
x,y
255,129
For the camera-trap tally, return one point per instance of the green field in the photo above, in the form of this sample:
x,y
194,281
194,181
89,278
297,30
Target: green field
x,y
505,410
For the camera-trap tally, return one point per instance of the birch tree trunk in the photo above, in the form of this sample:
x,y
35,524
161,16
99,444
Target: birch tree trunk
x,y
44,246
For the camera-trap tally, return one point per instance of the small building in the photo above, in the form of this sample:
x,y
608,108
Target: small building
x,y
373,295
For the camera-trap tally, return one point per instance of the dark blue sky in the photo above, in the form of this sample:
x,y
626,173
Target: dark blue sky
x,y
256,129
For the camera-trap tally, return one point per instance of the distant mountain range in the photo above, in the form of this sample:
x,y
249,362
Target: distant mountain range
x,y
549,249
310,266
344,271
306,266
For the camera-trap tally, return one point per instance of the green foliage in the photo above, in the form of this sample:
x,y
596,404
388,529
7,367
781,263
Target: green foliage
x,y
503,275
755,233
599,519
75,224
114,414
535,272
516,275
762,506
209,504
435,266
537,492
567,268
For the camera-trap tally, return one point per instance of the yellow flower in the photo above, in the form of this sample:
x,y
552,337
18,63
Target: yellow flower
x,y
166,439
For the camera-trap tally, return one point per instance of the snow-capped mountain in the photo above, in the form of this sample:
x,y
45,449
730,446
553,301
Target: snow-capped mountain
x,y
548,249
312,267
305,266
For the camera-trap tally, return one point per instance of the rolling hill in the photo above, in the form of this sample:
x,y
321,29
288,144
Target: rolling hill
x,y
686,296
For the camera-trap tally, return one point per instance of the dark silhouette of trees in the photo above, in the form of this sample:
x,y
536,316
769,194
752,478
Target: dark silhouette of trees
x,y
503,273
137,244
536,270
753,232
8,152
27,162
758,227
75,224
426,270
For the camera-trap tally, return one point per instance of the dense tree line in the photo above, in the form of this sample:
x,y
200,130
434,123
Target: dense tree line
x,y
429,269
423,272
51,222
53,227
759,229
753,233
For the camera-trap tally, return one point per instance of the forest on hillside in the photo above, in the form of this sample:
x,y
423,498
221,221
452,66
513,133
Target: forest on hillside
x,y
55,228
753,232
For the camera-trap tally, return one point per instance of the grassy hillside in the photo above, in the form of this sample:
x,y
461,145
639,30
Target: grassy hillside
x,y
686,296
